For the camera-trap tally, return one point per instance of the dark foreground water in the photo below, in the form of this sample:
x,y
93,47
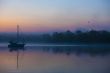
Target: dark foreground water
x,y
56,59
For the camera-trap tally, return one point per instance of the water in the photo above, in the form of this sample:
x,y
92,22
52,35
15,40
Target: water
x,y
39,58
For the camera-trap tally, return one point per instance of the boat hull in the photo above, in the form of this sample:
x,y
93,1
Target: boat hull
x,y
15,47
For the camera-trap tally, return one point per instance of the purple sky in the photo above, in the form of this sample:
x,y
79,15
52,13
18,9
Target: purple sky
x,y
54,15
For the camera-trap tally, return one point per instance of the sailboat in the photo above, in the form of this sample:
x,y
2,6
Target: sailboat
x,y
16,44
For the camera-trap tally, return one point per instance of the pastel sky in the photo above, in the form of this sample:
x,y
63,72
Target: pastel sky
x,y
54,15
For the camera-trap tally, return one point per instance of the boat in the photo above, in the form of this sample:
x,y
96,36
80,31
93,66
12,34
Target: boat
x,y
16,45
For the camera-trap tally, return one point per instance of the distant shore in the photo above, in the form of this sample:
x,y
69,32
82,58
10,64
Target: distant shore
x,y
67,37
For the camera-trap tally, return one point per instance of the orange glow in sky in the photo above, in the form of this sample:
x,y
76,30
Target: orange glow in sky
x,y
50,15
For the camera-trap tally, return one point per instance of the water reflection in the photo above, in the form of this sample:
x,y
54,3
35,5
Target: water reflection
x,y
16,49
56,59
78,50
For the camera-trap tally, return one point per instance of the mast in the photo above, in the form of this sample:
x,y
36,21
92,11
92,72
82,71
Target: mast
x,y
17,33
17,49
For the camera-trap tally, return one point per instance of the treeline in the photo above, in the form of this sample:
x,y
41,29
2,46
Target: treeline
x,y
78,37
92,36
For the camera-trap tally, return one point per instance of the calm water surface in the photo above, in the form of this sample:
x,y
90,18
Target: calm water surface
x,y
56,59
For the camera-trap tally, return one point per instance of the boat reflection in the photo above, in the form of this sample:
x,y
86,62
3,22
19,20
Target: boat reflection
x,y
16,49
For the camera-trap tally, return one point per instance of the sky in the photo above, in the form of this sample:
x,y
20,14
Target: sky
x,y
54,15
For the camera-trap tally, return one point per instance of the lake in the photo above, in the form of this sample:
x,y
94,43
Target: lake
x,y
51,58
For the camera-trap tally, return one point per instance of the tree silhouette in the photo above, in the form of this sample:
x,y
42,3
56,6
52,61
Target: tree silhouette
x,y
92,36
